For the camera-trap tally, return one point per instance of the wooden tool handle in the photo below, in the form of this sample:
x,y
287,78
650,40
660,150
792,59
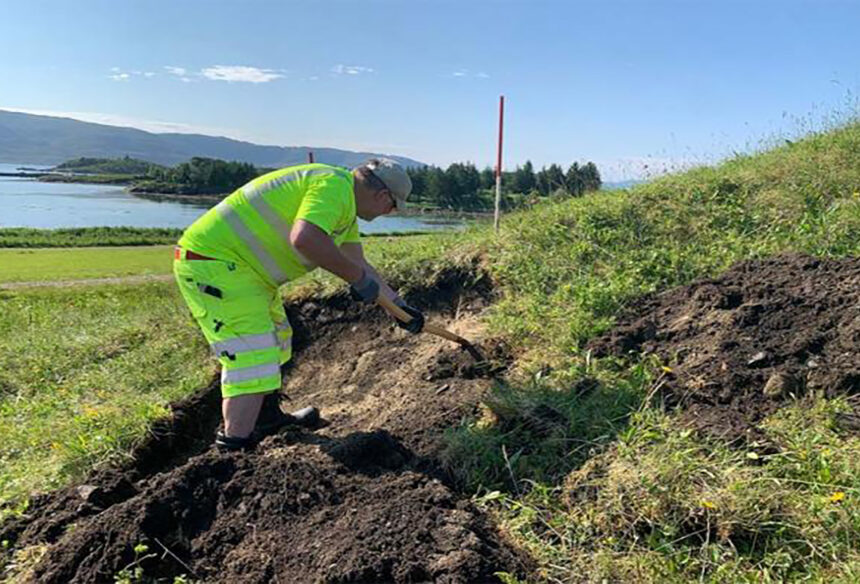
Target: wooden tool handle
x,y
404,316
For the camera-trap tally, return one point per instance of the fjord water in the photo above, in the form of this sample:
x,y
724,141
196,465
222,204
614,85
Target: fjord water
x,y
29,203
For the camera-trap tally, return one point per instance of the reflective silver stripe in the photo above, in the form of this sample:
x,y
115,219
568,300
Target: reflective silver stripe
x,y
257,189
278,224
254,195
246,343
232,218
249,373
270,216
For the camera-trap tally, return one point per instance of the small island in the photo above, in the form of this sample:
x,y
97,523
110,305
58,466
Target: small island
x,y
207,177
461,189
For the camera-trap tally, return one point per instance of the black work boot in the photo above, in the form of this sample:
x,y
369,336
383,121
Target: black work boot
x,y
272,418
226,443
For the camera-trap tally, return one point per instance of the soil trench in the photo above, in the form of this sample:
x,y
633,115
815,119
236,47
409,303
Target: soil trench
x,y
359,500
741,345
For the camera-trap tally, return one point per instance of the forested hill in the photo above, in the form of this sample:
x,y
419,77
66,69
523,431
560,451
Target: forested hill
x,y
27,138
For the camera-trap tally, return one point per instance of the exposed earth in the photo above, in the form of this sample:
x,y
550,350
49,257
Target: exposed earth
x,y
362,499
758,336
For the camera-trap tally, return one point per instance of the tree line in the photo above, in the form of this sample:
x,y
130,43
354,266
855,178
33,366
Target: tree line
x,y
463,187
198,176
460,187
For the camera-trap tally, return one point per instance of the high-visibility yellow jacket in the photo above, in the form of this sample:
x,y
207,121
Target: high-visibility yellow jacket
x,y
253,224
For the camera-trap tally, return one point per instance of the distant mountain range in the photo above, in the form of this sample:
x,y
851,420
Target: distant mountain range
x,y
46,140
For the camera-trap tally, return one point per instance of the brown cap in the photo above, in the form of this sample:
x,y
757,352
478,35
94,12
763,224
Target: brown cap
x,y
393,176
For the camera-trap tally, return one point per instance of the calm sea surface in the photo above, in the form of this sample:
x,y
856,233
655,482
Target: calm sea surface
x,y
29,203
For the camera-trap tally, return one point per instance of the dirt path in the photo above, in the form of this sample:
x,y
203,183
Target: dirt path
x,y
87,282
361,500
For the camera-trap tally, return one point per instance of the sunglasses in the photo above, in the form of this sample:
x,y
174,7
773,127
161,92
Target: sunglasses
x,y
391,197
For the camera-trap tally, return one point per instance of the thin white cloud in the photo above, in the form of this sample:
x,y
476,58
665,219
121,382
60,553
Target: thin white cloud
x,y
178,71
350,70
461,73
240,74
117,74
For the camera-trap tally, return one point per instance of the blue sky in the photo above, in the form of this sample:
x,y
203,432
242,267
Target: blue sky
x,y
625,84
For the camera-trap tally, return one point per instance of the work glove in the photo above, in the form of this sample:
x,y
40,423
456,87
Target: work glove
x,y
365,290
414,326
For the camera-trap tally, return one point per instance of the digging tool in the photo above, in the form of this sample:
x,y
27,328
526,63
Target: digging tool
x,y
402,315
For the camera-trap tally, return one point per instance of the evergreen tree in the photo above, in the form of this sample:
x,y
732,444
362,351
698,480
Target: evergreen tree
x,y
524,178
573,180
419,182
555,178
488,178
438,190
591,177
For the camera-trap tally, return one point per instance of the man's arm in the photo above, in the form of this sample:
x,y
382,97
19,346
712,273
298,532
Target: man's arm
x,y
355,253
316,245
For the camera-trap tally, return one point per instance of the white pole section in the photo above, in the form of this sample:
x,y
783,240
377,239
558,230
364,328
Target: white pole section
x,y
499,162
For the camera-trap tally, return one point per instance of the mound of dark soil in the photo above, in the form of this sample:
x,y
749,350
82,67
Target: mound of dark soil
x,y
289,512
360,500
739,345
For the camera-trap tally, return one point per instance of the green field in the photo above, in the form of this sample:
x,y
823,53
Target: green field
x,y
37,265
84,370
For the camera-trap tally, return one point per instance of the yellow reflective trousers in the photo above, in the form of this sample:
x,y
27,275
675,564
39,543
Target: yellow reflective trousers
x,y
242,318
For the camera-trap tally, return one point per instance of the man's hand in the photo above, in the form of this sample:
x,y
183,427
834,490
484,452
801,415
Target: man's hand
x,y
414,326
366,289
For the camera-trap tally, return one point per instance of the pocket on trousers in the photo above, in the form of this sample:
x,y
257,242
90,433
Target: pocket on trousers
x,y
192,295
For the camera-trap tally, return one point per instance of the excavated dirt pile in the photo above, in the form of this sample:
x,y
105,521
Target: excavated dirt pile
x,y
740,345
359,500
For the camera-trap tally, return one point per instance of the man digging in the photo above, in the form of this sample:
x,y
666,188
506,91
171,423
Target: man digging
x,y
229,263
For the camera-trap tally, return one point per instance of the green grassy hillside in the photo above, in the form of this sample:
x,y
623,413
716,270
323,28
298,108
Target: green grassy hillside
x,y
563,271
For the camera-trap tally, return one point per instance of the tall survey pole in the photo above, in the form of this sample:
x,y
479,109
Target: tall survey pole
x,y
310,156
499,161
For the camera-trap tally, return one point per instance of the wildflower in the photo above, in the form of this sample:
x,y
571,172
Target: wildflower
x,y
837,496
666,369
708,505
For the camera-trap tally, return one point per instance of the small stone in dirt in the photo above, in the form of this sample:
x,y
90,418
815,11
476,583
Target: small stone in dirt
x,y
812,364
779,384
88,492
758,359
445,387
